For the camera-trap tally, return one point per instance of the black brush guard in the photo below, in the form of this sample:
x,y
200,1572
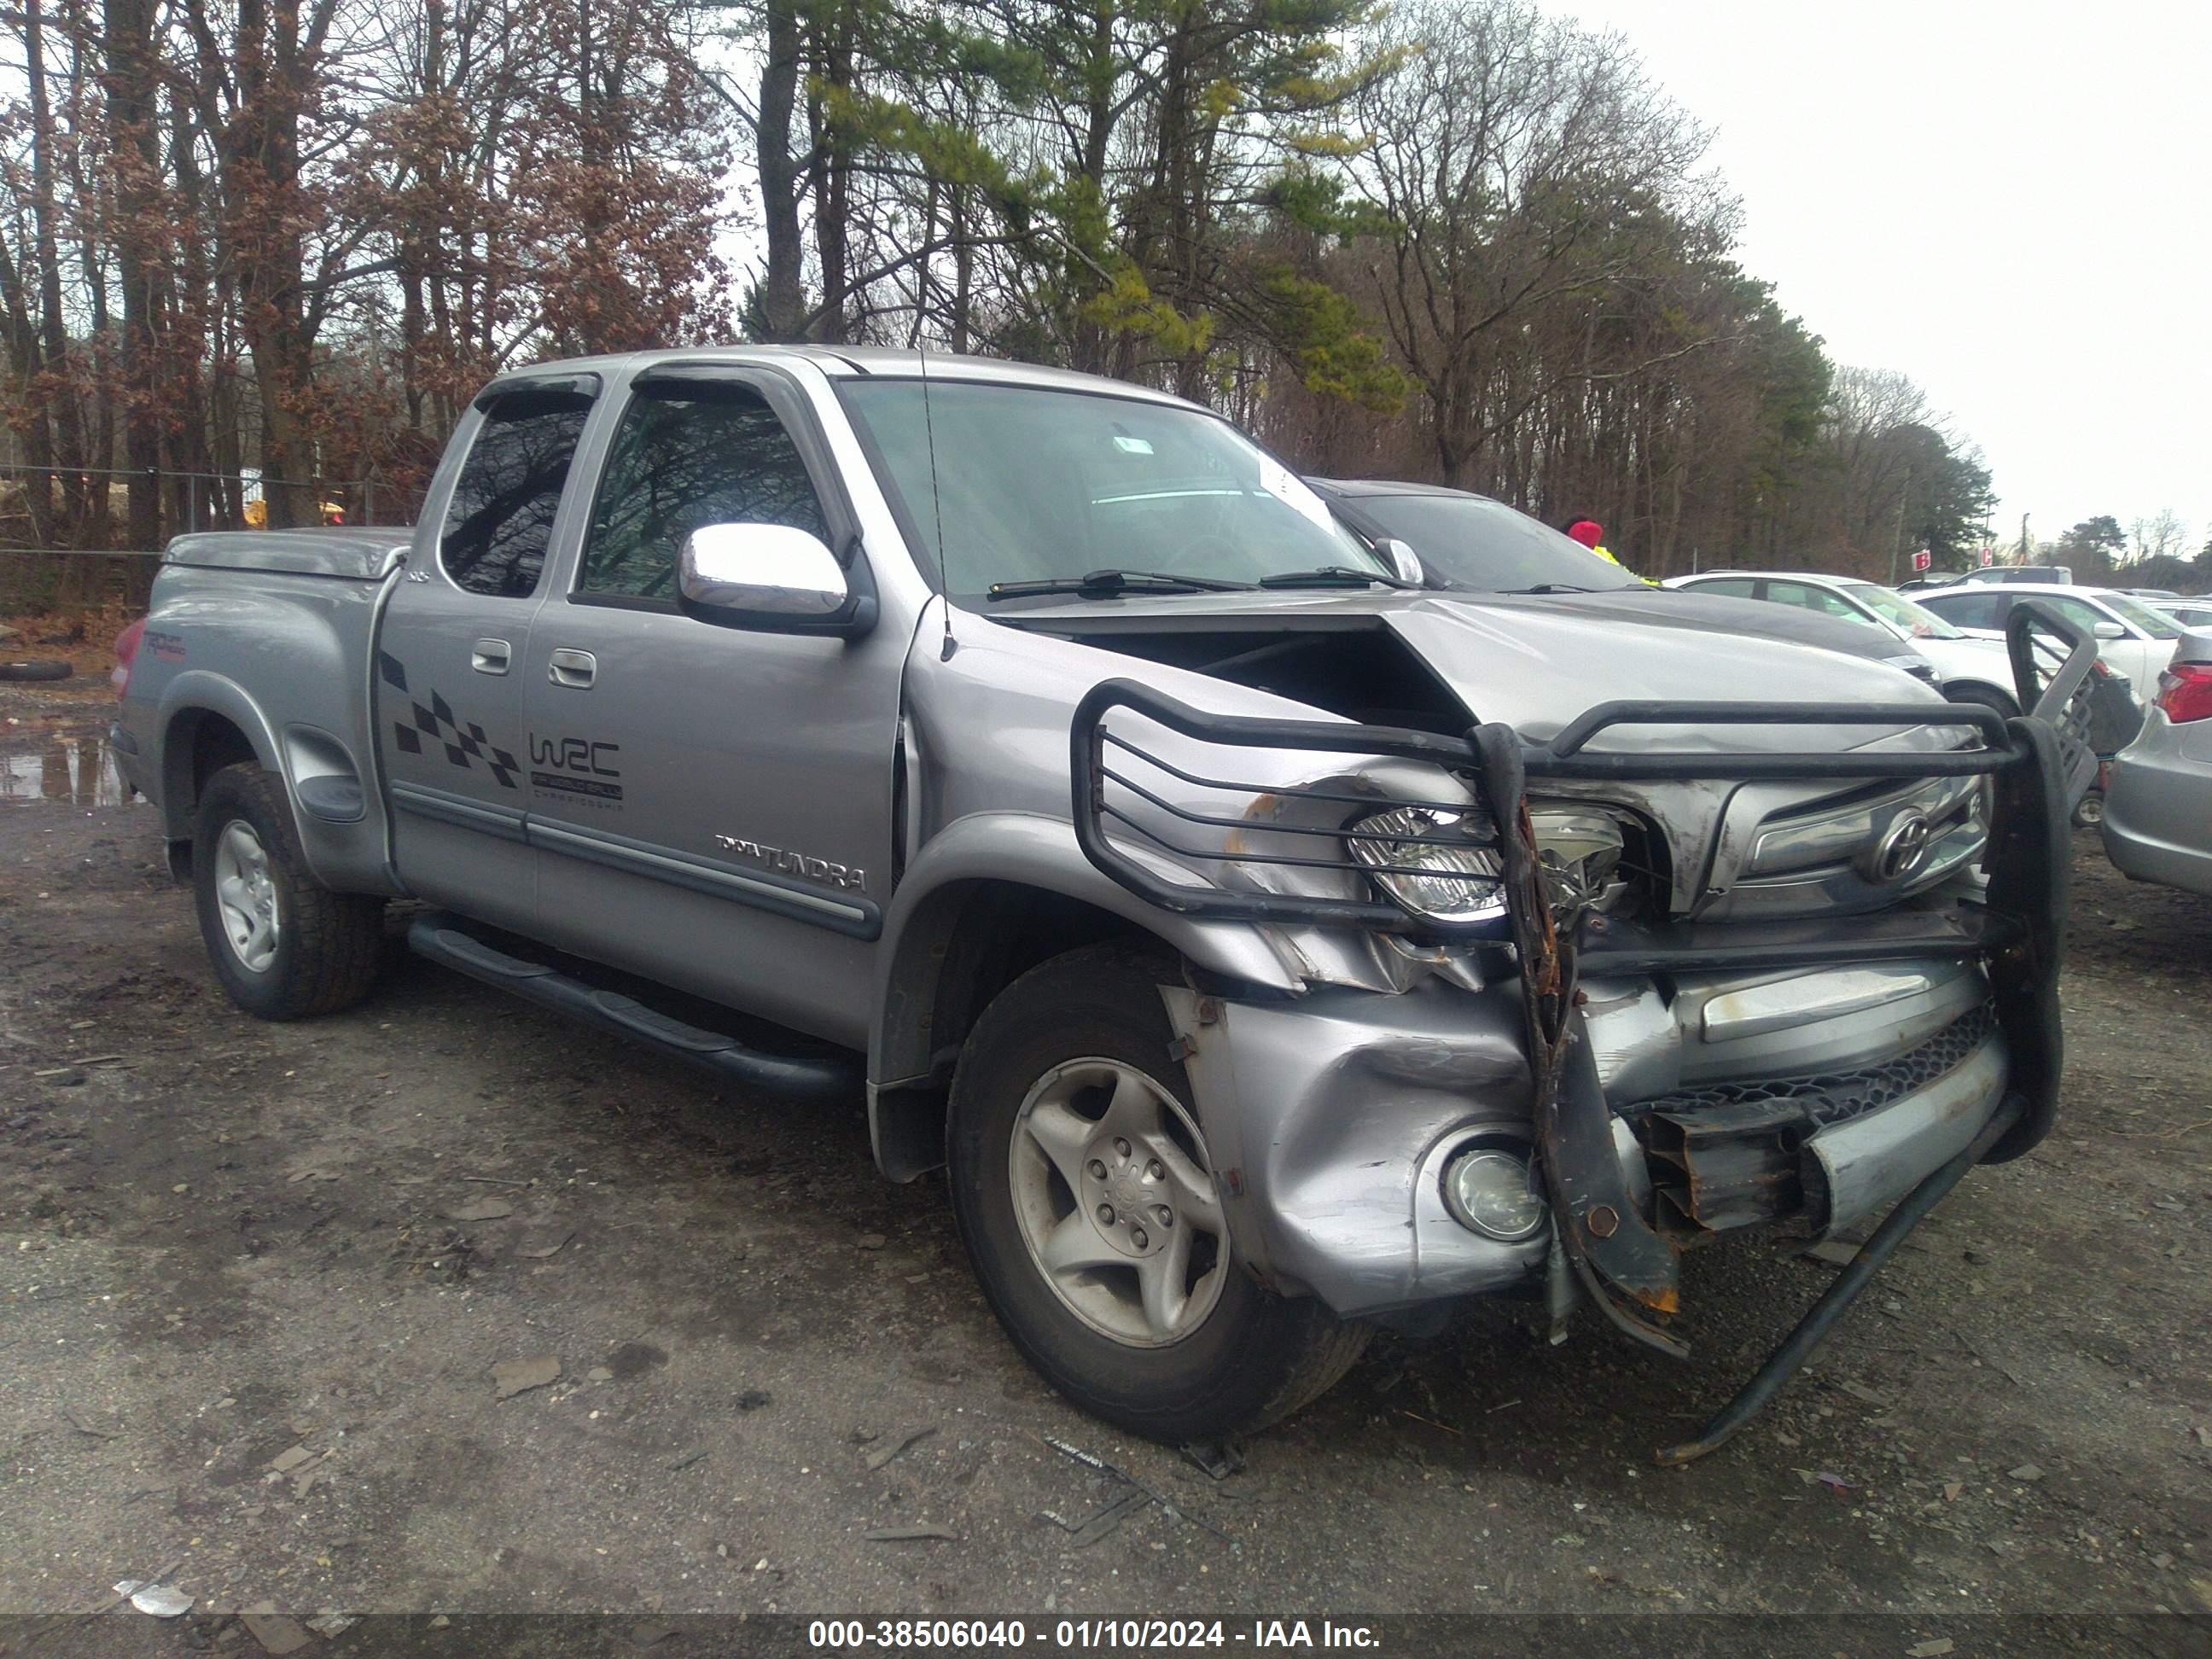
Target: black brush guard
x,y
2037,764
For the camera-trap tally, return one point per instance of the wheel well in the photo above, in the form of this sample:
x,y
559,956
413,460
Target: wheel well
x,y
998,932
967,943
199,744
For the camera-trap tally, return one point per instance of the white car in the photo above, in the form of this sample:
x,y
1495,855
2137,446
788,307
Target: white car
x,y
1970,669
2134,640
2189,613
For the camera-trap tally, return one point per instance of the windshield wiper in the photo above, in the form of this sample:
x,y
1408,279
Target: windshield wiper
x,y
1334,575
1555,587
1106,584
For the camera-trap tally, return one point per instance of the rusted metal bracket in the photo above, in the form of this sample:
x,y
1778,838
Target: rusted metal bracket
x,y
1623,1264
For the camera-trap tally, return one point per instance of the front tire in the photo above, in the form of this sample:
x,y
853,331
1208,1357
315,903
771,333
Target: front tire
x,y
1082,1185
284,946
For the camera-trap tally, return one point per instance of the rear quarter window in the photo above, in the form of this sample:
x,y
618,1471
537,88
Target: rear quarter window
x,y
500,521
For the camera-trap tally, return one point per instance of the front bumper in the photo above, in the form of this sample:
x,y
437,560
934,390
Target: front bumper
x,y
2158,806
1331,1119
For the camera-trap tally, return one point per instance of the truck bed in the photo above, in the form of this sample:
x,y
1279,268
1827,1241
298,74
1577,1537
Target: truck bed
x,y
270,635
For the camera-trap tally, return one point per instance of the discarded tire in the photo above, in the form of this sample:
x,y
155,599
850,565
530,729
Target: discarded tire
x,y
33,670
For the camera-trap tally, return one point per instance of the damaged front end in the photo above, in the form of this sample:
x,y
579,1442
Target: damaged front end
x,y
1817,1013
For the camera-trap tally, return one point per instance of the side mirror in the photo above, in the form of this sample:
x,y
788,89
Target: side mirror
x,y
2109,630
1405,563
771,578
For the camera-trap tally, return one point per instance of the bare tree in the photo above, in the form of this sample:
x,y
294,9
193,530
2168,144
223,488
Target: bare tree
x,y
1518,161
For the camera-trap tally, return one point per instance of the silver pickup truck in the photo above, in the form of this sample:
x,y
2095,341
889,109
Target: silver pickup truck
x,y
1266,947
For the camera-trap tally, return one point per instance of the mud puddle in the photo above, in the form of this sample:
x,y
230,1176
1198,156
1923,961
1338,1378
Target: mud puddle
x,y
65,760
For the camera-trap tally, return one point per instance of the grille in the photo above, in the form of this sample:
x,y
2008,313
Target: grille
x,y
1818,1102
1729,1156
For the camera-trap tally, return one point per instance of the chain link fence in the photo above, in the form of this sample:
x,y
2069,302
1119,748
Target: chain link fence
x,y
65,532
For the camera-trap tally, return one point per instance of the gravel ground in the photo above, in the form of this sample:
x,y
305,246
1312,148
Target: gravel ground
x,y
259,1283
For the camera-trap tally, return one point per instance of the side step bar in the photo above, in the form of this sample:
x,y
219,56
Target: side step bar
x,y
442,939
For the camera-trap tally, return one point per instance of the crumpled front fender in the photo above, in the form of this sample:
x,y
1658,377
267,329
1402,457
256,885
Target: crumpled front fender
x,y
1328,1121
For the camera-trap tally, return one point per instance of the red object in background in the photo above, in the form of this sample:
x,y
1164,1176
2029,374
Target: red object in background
x,y
1923,559
1588,532
126,655
2185,692
1989,557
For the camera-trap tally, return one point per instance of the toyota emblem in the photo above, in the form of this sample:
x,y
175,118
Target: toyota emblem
x,y
1897,855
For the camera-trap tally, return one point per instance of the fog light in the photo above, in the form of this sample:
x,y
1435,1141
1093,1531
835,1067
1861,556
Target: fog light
x,y
1489,1189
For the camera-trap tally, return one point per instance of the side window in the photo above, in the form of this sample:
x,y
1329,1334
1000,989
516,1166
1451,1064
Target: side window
x,y
1967,610
501,519
2075,610
1732,588
687,456
1806,597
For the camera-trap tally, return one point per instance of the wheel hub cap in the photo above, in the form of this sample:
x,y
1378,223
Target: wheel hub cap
x,y
1127,1193
246,897
1116,1202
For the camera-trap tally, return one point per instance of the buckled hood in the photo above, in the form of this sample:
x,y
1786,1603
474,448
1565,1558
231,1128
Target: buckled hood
x,y
1536,662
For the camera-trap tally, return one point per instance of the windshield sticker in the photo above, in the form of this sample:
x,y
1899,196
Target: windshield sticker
x,y
1129,445
1286,487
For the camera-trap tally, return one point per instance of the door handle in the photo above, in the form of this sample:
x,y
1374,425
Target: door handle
x,y
573,669
490,656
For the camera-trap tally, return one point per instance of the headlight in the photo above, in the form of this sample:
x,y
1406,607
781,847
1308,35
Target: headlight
x,y
1581,851
1417,858
1418,861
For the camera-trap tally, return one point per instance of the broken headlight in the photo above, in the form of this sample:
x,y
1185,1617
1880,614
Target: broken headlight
x,y
1579,851
1420,856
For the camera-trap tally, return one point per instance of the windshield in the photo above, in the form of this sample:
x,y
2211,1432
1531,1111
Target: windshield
x,y
1035,484
1915,619
2155,624
1472,542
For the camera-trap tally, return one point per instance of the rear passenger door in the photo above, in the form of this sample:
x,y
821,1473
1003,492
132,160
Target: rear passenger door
x,y
448,679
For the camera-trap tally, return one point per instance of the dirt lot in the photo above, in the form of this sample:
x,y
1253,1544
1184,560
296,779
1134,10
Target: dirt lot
x,y
229,1249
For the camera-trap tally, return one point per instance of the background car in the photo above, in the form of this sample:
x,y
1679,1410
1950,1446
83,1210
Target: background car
x,y
1972,669
2135,640
2004,576
2189,613
1473,543
2157,807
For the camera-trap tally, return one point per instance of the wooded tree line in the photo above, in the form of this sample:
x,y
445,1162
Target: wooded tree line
x,y
1470,242
2153,552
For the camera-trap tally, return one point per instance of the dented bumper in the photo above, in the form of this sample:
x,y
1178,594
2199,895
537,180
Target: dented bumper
x,y
1332,1118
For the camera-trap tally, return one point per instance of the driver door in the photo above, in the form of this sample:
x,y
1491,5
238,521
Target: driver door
x,y
714,804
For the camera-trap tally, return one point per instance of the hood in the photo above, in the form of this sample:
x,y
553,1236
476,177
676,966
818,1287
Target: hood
x,y
1536,663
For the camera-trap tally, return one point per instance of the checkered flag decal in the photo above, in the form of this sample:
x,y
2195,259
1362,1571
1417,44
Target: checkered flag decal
x,y
463,743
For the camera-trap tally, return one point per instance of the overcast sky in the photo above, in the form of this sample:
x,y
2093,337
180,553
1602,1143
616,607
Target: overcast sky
x,y
2008,200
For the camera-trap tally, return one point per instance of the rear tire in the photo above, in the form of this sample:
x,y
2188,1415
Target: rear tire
x,y
1151,1321
34,669
284,946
